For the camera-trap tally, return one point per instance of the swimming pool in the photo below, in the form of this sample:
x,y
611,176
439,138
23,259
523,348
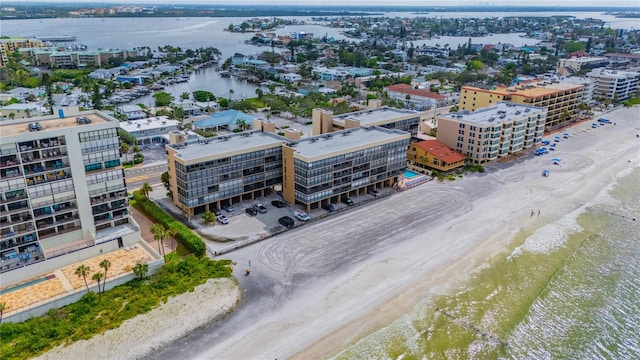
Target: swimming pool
x,y
410,174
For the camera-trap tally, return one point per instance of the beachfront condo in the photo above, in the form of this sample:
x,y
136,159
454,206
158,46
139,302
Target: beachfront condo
x,y
614,84
63,196
560,99
492,132
325,121
327,168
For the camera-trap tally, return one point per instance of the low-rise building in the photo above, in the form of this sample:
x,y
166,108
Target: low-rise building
x,y
577,64
323,121
325,169
152,130
417,99
216,171
614,84
434,154
131,112
227,119
493,132
22,111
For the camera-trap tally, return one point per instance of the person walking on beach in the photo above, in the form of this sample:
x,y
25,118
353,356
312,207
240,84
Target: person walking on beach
x,y
538,213
532,213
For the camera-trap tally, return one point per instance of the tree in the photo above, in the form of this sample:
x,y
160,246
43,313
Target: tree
x,y
105,264
124,149
242,124
165,178
83,271
208,217
145,190
159,233
96,98
3,306
47,81
12,116
98,277
141,270
163,98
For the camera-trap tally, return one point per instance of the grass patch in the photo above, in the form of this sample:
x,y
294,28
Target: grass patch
x,y
95,314
184,235
127,165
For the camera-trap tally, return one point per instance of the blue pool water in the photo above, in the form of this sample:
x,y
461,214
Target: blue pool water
x,y
410,174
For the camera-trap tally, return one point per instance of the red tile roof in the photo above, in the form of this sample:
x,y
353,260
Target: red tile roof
x,y
408,89
440,150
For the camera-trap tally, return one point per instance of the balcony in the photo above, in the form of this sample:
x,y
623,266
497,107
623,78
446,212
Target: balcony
x,y
51,232
107,189
44,224
46,178
8,198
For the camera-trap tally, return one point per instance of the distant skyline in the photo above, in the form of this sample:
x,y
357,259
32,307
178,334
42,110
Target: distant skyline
x,y
443,3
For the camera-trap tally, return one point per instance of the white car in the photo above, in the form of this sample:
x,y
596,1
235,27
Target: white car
x,y
222,219
301,215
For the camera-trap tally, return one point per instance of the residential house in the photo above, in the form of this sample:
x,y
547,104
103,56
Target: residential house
x,y
433,154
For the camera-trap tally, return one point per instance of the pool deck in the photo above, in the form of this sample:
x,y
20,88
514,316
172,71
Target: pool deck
x,y
63,281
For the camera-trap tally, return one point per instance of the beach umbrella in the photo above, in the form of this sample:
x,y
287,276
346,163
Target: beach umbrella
x,y
555,159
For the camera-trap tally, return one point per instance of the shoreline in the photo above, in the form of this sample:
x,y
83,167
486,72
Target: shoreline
x,y
456,274
172,320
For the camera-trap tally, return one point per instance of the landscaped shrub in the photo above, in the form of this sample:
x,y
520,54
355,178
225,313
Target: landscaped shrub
x,y
183,234
95,314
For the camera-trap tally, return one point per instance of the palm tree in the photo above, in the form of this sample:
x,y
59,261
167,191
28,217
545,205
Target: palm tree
x,y
97,277
105,264
12,116
242,124
83,271
159,233
208,217
145,190
2,307
141,270
124,148
170,234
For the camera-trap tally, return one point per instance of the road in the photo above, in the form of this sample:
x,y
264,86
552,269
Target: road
x,y
137,176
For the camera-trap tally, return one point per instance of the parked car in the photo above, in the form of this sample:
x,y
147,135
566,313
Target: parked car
x,y
286,221
228,208
216,211
347,201
261,208
329,207
301,215
222,219
375,193
278,203
252,211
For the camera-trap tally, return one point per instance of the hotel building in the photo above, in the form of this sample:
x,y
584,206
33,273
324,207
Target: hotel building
x,y
63,196
326,168
494,132
224,170
614,84
560,99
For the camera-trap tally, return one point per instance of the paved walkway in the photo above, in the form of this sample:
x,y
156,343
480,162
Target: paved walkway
x,y
145,232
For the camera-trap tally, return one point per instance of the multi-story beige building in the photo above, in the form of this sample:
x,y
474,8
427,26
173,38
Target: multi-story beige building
x,y
581,63
391,118
63,196
8,46
560,99
72,59
325,168
493,132
614,84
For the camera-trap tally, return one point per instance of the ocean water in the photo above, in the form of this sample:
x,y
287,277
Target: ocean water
x,y
569,290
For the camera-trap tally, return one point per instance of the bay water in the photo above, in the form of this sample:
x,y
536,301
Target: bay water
x,y
569,290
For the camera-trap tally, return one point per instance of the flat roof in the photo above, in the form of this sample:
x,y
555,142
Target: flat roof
x,y
493,114
223,145
339,141
53,123
530,90
133,126
375,116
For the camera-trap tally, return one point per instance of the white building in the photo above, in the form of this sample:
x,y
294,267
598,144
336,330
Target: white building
x,y
614,84
21,111
290,77
580,63
150,130
63,196
132,112
489,133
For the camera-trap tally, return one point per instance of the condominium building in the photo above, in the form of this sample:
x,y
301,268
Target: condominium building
x,y
8,46
63,196
577,64
223,170
493,132
326,168
391,118
560,99
614,84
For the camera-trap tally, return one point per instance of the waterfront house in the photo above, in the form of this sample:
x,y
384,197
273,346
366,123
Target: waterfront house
x,y
131,112
227,119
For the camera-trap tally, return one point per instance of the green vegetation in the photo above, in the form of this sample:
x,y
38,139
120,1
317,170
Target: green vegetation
x,y
473,168
163,98
630,102
183,234
202,96
93,315
205,133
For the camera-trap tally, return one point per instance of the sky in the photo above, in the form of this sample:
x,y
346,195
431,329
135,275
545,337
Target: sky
x,y
595,3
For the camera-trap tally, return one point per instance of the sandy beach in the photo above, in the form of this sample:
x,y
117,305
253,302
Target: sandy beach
x,y
324,286
142,334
